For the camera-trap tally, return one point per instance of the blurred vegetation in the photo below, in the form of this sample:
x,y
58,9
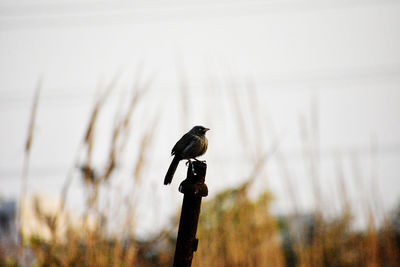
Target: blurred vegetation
x,y
234,229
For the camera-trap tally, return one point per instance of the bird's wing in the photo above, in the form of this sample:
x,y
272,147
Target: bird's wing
x,y
191,150
182,144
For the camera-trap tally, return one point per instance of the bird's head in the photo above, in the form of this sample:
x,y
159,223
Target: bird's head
x,y
199,130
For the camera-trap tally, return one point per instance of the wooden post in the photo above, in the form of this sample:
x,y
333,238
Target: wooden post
x,y
193,189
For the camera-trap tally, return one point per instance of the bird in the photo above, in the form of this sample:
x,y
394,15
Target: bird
x,y
192,144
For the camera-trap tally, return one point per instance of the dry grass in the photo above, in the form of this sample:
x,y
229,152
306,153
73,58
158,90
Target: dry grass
x,y
234,229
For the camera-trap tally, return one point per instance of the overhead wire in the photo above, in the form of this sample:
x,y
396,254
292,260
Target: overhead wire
x,y
88,14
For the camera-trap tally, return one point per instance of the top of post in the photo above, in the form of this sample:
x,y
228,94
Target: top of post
x,y
194,182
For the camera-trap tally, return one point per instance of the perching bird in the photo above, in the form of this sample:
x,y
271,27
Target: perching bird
x,y
193,144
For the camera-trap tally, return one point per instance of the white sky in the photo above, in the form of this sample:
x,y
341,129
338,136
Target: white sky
x,y
343,58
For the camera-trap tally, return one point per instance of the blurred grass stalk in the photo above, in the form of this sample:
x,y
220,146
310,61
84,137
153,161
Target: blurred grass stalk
x,y
236,228
25,171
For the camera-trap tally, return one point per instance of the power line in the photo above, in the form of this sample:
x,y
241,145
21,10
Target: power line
x,y
88,14
326,154
299,79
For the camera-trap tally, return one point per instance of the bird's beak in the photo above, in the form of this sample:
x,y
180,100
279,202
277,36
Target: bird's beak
x,y
206,129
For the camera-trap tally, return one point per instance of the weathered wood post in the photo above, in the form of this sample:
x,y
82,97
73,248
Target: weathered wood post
x,y
193,189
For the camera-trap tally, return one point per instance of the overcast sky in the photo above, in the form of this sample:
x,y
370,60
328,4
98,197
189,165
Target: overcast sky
x,y
341,60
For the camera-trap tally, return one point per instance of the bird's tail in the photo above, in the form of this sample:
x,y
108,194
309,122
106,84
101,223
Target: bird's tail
x,y
171,170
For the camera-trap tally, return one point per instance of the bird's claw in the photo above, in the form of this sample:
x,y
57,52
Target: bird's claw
x,y
202,161
189,163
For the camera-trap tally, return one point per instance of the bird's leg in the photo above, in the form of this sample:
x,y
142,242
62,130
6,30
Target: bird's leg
x,y
194,173
190,162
